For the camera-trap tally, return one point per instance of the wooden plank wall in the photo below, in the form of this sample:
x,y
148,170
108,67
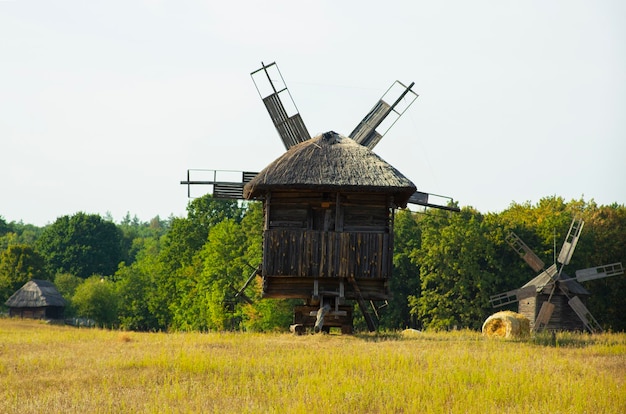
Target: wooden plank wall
x,y
327,237
563,317
310,253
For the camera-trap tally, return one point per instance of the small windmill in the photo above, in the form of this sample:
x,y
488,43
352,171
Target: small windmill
x,y
551,299
329,204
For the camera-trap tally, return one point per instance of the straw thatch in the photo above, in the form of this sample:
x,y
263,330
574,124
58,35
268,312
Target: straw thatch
x,y
332,162
34,294
506,324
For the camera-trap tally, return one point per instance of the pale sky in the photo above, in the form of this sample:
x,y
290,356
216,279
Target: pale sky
x,y
105,105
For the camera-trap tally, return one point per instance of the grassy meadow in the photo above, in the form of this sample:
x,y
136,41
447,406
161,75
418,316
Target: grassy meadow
x,y
47,368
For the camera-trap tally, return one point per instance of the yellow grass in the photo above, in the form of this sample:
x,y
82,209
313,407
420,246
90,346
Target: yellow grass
x,y
46,368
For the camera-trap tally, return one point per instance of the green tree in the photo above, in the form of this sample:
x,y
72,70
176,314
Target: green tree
x,y
228,259
67,284
82,244
19,263
262,314
180,254
205,303
135,232
267,315
26,233
405,280
4,227
187,235
18,233
97,299
8,239
140,306
603,242
457,270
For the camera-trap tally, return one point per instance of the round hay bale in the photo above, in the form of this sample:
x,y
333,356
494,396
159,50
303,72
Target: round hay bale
x,y
506,324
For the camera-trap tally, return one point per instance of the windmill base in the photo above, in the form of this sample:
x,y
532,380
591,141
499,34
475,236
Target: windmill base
x,y
305,318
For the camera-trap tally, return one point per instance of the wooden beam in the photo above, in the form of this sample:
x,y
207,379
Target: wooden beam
x,y
362,305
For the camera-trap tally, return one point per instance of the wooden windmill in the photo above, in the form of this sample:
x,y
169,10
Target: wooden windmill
x,y
551,300
329,203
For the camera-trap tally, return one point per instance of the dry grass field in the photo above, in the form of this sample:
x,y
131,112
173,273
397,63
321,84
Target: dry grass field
x,y
46,368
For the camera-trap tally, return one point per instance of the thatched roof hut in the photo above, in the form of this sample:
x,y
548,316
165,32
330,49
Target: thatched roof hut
x,y
38,299
331,162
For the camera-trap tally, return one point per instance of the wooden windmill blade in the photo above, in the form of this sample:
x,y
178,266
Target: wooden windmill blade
x,y
512,296
421,198
273,91
567,250
544,278
525,252
599,272
225,184
401,97
544,316
585,316
548,278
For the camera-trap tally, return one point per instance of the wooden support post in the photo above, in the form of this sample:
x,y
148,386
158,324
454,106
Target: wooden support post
x,y
319,323
362,305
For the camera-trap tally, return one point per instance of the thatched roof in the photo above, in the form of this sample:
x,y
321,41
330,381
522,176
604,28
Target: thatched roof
x,y
331,162
36,294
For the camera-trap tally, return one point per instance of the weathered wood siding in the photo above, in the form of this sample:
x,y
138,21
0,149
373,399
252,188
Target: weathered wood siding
x,y
528,307
329,212
310,253
328,237
317,234
563,317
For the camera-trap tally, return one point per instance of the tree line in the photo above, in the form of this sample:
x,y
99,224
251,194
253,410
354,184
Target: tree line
x,y
183,273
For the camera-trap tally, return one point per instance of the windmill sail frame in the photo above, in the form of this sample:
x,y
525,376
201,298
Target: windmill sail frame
x,y
288,123
365,132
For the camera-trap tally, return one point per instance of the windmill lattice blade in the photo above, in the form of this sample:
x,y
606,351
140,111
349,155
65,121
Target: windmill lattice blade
x,y
290,128
585,316
423,199
275,95
592,273
512,296
504,298
525,252
365,132
570,241
226,184
233,191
